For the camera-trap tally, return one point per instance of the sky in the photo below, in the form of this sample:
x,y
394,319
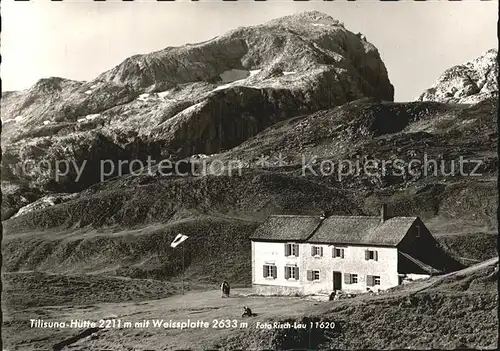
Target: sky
x,y
79,39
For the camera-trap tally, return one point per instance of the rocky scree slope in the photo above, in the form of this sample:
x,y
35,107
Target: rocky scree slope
x,y
470,82
198,98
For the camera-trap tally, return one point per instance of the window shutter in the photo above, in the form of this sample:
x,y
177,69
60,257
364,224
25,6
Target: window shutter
x,y
312,250
347,278
297,273
296,249
369,280
333,252
275,271
367,255
310,275
287,250
376,255
321,251
264,272
342,253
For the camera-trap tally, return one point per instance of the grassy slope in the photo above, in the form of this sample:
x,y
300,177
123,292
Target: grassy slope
x,y
458,310
124,226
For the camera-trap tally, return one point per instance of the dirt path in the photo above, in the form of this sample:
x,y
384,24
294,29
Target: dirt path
x,y
194,307
140,325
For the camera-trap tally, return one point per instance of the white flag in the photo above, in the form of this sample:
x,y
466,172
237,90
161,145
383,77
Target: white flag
x,y
178,239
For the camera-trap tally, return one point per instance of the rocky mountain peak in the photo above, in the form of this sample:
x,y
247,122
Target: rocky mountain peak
x,y
306,18
470,82
200,98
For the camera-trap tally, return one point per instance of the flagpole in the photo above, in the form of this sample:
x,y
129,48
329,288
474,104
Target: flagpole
x,y
182,276
179,240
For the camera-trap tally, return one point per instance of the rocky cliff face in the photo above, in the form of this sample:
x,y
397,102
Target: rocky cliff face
x,y
470,82
254,75
198,98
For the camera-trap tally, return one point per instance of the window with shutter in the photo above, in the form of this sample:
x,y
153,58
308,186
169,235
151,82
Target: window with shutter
x,y
269,271
309,275
338,252
292,272
371,255
315,273
294,250
317,251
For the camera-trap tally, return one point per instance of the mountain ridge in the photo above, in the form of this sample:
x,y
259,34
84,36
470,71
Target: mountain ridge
x,y
470,82
195,99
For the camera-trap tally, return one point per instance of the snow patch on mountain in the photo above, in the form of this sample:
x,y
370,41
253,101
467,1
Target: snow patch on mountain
x,y
254,72
233,75
164,94
143,97
89,117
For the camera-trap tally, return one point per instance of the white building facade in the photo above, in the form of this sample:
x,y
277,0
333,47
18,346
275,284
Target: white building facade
x,y
300,255
322,271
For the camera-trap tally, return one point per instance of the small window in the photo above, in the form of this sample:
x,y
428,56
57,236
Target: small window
x,y
292,272
371,255
372,280
338,252
350,278
292,250
317,251
417,235
313,275
270,271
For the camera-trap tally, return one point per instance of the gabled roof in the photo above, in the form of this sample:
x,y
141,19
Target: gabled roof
x,y
283,228
355,230
362,230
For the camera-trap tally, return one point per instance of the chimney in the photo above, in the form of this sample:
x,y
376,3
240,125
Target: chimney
x,y
383,213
